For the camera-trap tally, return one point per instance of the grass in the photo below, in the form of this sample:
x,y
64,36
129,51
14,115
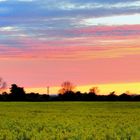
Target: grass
x,y
70,121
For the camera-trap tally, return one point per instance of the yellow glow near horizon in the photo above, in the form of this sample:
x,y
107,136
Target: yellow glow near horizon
x,y
119,88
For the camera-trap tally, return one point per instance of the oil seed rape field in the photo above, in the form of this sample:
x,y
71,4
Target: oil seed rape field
x,y
70,121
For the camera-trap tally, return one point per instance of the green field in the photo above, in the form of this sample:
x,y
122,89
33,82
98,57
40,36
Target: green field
x,y
70,121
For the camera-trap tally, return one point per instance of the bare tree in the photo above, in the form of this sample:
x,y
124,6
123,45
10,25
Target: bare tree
x,y
94,90
3,85
66,87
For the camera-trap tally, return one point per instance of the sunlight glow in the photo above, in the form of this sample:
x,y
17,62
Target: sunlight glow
x,y
119,88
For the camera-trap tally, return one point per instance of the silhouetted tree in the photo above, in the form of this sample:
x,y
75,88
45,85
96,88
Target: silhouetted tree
x,y
94,90
32,96
79,96
4,96
17,93
112,96
125,97
67,91
66,87
92,93
37,97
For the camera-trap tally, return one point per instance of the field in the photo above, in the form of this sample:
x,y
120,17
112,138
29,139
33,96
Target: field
x,y
70,121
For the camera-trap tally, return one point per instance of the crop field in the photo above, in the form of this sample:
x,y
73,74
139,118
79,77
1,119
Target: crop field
x,y
70,121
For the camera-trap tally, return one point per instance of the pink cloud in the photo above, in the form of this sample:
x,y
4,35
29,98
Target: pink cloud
x,y
117,43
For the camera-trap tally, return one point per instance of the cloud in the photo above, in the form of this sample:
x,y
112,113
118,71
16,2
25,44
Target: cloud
x,y
64,29
67,8
113,20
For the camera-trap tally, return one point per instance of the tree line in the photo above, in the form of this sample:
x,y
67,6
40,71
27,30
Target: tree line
x,y
66,93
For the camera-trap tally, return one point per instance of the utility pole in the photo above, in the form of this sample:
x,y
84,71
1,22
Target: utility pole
x,y
48,90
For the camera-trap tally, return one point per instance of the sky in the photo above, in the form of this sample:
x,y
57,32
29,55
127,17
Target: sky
x,y
46,42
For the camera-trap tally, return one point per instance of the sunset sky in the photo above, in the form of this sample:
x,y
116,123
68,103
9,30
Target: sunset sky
x,y
88,42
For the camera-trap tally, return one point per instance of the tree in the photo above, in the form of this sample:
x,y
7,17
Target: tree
x,y
3,85
17,93
66,87
124,97
112,96
92,96
94,90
